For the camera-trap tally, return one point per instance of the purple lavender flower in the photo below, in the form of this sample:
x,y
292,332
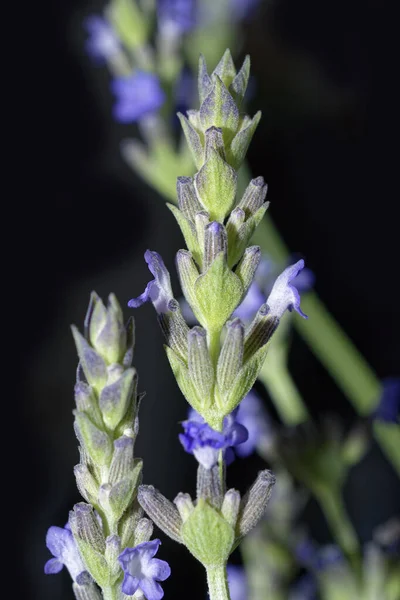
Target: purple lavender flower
x,y
388,410
138,95
311,556
253,417
237,583
61,544
158,290
102,43
205,443
264,283
284,296
142,571
177,16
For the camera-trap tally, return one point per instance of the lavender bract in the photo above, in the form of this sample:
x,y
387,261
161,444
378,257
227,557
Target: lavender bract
x,y
205,443
142,571
138,95
61,543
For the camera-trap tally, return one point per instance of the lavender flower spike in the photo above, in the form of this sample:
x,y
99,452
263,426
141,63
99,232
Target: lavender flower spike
x,y
142,571
284,296
102,43
158,290
61,544
137,96
205,443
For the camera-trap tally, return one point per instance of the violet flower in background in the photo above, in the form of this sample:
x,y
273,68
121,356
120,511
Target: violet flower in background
x,y
142,571
305,588
237,583
253,416
177,16
61,543
388,410
102,43
138,95
241,10
205,443
309,555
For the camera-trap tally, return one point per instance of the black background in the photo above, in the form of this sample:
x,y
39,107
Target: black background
x,y
327,148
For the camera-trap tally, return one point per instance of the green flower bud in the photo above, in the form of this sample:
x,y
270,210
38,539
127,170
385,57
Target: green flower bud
x,y
184,504
143,531
90,541
225,69
96,443
106,330
164,514
215,185
230,507
86,483
239,84
113,550
92,363
209,485
86,592
254,502
193,140
231,356
201,371
116,398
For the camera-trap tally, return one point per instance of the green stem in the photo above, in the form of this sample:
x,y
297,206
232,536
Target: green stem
x,y
284,393
342,529
111,593
217,583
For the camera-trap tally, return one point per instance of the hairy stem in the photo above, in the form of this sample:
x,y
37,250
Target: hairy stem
x,y
217,583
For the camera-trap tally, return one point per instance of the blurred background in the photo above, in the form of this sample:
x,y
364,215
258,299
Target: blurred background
x,y
323,146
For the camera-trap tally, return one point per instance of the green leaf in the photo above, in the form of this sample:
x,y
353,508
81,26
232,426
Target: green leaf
x,y
216,186
218,292
207,535
239,240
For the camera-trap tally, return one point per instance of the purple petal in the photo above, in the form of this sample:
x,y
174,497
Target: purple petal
x,y
284,296
388,409
130,584
237,583
57,540
102,43
158,290
206,456
254,417
158,569
151,589
53,566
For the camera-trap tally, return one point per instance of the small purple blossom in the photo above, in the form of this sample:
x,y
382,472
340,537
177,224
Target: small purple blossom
x,y
205,443
388,409
158,290
102,43
61,543
253,417
263,285
311,556
142,571
138,95
237,583
284,296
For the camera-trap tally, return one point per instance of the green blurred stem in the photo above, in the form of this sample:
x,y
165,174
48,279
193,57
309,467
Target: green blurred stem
x,y
284,393
217,583
333,507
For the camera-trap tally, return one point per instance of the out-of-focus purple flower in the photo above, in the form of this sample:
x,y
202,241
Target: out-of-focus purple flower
x,y
158,290
251,303
237,583
205,443
317,558
284,295
305,588
243,9
177,16
138,95
253,416
185,90
142,571
388,410
102,43
61,543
